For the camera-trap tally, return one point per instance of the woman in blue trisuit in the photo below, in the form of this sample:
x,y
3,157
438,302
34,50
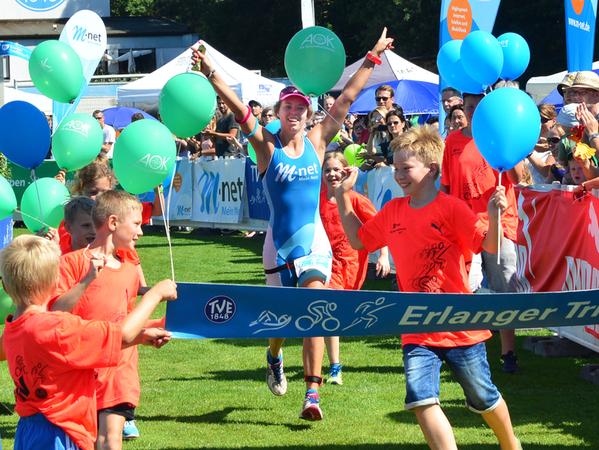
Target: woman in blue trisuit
x,y
296,249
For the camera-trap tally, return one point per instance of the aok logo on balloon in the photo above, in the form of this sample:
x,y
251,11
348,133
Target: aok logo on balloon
x,y
317,40
154,162
77,126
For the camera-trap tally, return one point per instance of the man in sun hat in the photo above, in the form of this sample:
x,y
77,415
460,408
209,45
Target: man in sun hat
x,y
584,88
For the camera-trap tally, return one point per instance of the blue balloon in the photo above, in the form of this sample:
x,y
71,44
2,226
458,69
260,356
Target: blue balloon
x,y
274,126
482,57
506,126
24,134
451,69
516,55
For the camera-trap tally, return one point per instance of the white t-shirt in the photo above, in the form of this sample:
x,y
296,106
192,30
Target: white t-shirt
x,y
537,177
109,138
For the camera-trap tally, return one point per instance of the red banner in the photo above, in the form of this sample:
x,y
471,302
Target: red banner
x,y
558,241
558,249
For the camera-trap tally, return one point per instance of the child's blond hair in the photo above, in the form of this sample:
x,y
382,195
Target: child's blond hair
x,y
113,203
337,155
423,142
29,267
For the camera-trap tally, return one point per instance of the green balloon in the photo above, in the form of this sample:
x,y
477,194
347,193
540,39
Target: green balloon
x,y
314,60
77,141
350,152
252,153
6,305
8,201
187,104
144,155
43,204
56,71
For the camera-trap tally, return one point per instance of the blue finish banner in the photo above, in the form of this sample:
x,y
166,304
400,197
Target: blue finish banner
x,y
256,197
236,311
580,33
13,49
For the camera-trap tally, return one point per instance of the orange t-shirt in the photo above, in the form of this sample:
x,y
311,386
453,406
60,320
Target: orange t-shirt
x,y
471,179
349,265
428,246
111,296
52,357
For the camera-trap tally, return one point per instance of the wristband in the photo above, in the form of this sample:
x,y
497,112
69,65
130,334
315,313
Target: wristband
x,y
253,132
373,58
245,119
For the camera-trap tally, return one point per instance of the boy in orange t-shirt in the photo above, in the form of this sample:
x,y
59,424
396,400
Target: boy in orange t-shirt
x,y
110,296
428,233
52,356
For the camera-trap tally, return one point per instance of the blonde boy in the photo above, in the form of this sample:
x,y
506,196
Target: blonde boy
x,y
428,233
108,293
53,356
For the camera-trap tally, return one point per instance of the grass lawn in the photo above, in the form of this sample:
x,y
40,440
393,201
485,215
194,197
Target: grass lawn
x,y
212,394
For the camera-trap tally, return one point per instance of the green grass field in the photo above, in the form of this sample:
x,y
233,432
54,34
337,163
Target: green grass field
x,y
212,394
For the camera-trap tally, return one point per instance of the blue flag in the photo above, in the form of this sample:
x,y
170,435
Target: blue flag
x,y
580,33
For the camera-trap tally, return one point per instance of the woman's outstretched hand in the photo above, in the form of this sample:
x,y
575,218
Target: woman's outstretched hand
x,y
205,64
384,43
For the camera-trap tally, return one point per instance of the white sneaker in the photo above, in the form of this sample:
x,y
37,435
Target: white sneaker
x,y
275,376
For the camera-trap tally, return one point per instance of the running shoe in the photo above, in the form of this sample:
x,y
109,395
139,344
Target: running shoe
x,y
130,430
509,362
311,406
275,376
335,374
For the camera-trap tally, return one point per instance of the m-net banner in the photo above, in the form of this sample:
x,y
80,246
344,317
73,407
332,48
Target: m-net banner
x,y
218,190
581,16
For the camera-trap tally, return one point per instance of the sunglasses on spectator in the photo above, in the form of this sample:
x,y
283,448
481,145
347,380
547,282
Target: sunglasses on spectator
x,y
544,119
553,140
394,123
269,115
381,99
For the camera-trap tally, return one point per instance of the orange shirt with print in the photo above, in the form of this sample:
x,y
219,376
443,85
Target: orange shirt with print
x,y
428,246
111,296
471,179
52,357
349,265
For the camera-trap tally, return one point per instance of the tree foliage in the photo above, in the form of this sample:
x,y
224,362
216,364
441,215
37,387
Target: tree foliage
x,y
256,33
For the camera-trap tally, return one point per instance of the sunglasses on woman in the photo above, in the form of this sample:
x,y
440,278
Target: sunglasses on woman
x,y
553,140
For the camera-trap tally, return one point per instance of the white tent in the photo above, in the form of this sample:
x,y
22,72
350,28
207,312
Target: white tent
x,y
41,102
541,87
392,67
144,93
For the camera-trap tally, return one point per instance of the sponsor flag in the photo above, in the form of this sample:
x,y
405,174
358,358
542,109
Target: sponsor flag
x,y
580,33
86,34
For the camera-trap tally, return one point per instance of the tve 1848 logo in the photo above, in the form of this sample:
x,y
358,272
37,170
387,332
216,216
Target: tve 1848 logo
x,y
219,309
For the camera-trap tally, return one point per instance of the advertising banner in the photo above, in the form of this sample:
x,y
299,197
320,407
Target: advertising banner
x,y
51,9
13,49
218,190
382,186
580,21
460,17
560,259
235,311
256,198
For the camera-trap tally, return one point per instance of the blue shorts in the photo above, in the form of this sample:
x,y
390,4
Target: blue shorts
x,y
36,432
469,365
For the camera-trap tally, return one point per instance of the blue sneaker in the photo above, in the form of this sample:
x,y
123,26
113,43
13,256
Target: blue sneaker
x,y
311,406
275,376
335,375
130,430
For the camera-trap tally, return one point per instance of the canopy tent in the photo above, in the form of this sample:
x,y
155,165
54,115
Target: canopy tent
x,y
144,93
541,87
41,102
415,97
392,67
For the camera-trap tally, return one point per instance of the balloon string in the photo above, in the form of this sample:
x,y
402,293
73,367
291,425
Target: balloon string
x,y
32,217
499,227
167,231
37,192
328,114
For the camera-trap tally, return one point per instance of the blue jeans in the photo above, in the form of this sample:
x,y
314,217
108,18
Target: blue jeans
x,y
469,365
36,432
